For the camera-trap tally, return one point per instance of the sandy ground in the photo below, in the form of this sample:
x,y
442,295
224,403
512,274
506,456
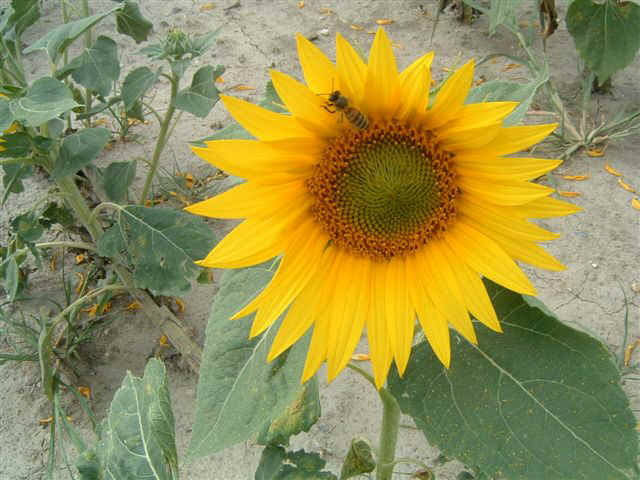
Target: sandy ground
x,y
599,245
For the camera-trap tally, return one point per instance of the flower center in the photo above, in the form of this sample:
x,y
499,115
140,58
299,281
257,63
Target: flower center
x,y
384,191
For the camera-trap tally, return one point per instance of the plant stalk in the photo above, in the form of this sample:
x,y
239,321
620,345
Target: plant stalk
x,y
388,435
88,40
161,142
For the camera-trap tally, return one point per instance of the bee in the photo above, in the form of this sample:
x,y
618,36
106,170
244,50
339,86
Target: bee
x,y
338,102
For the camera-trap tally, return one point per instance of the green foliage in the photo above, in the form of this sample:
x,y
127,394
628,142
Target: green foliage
x,y
278,464
15,145
359,460
136,84
11,278
239,393
79,150
137,440
97,68
57,40
117,178
14,173
27,227
606,34
298,417
162,245
541,400
24,13
202,95
131,22
45,99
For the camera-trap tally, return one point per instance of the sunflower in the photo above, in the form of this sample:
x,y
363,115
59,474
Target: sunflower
x,y
383,205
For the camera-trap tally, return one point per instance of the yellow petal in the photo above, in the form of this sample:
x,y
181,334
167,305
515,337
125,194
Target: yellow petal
x,y
415,82
305,105
351,70
498,220
400,316
513,139
451,97
504,192
462,139
501,167
382,82
255,160
475,295
484,256
348,312
476,115
317,69
434,325
261,237
264,124
249,199
545,207
379,345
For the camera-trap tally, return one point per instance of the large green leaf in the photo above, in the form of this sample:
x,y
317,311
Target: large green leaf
x,y
202,95
162,244
97,68
14,173
15,145
79,150
541,400
606,34
136,84
498,91
132,23
45,99
117,178
238,391
137,440
58,39
24,13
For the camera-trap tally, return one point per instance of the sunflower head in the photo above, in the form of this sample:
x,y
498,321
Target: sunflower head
x,y
385,205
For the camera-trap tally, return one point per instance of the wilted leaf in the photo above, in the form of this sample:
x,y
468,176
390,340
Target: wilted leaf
x,y
238,391
45,99
97,68
162,244
359,460
117,179
298,417
136,84
202,95
606,34
540,400
57,40
131,22
79,150
137,440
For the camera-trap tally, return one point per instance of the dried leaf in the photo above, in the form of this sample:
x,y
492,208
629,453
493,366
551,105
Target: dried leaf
x,y
629,351
189,181
219,80
241,88
45,421
360,357
612,170
80,284
626,186
91,311
80,258
85,392
568,194
53,263
106,308
164,341
135,305
384,21
180,304
635,203
595,152
357,28
511,66
576,178
207,7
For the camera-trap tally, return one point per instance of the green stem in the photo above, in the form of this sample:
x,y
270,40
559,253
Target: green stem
x,y
93,293
388,435
81,245
161,142
79,206
87,43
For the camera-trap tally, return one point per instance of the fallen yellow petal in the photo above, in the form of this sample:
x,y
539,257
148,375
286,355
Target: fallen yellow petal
x,y
164,341
568,194
207,6
626,186
635,203
595,152
629,351
80,258
358,28
85,392
612,170
241,88
135,305
576,178
384,21
301,4
360,357
180,304
219,80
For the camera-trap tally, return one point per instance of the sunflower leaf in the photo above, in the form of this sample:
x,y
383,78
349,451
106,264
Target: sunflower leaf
x,y
136,84
137,440
162,244
541,400
117,179
278,464
131,22
79,150
199,98
45,99
606,34
239,393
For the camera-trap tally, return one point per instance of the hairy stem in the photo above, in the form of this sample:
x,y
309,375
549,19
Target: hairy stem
x,y
388,435
88,40
162,140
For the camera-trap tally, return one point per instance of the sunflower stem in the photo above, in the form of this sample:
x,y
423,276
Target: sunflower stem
x,y
388,435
